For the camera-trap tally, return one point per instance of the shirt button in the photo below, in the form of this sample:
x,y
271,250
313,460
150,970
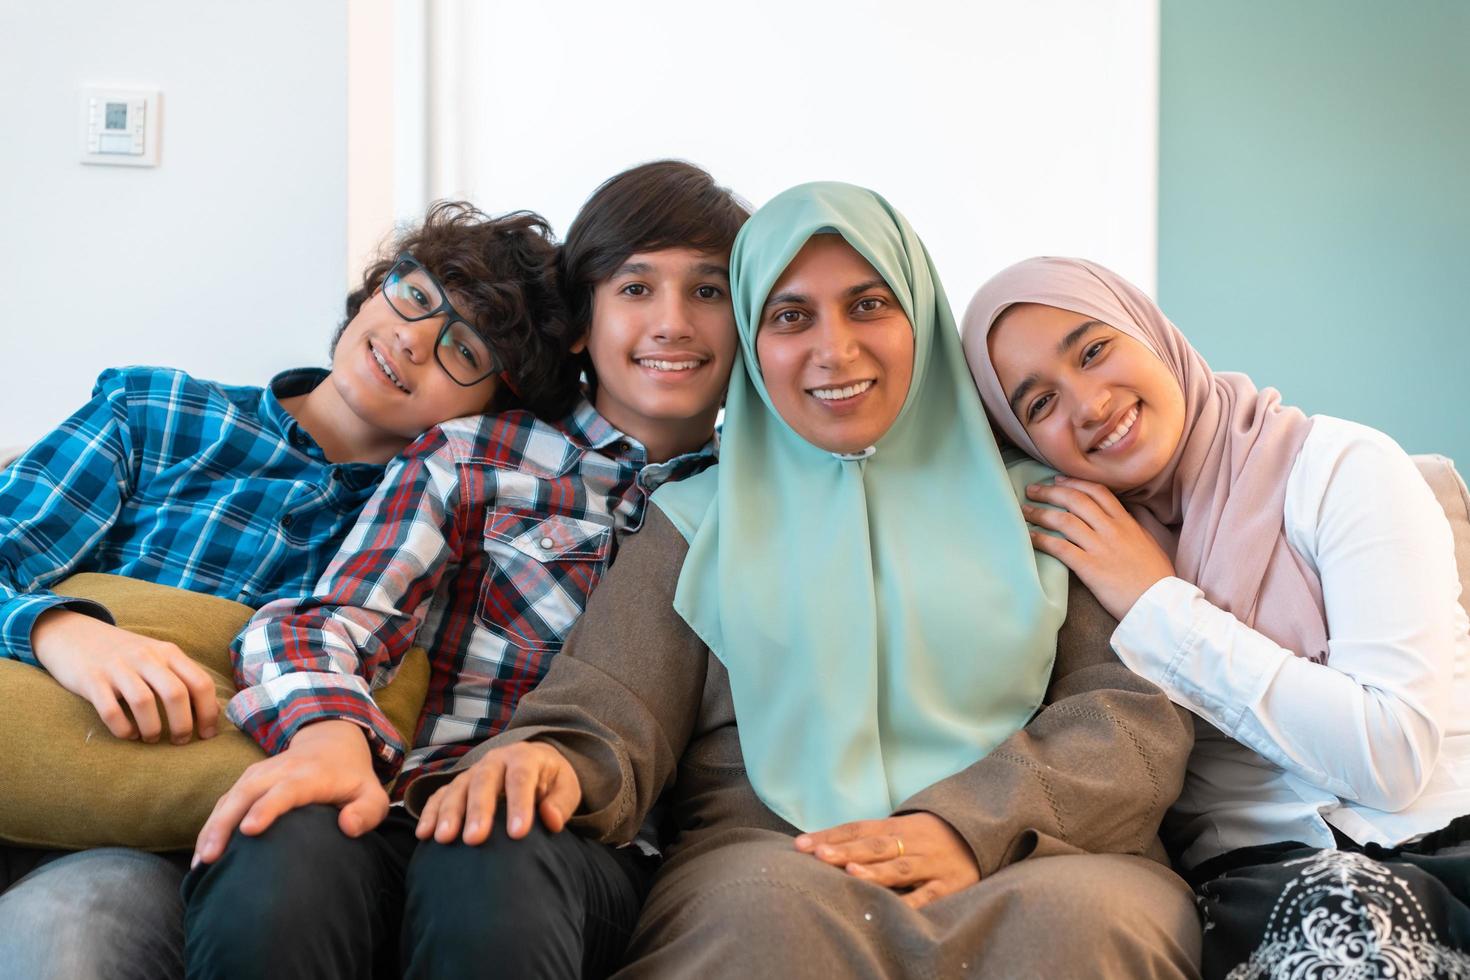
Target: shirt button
x,y
298,439
286,520
546,544
622,447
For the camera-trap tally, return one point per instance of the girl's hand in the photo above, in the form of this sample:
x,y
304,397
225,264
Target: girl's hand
x,y
917,852
1111,553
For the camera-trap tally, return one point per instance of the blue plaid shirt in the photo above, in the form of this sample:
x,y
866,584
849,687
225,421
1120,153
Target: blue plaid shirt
x,y
207,487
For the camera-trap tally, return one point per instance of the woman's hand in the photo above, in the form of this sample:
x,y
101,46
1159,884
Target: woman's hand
x,y
917,852
1111,553
535,778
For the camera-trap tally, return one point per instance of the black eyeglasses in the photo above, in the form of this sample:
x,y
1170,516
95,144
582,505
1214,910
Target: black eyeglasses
x,y
414,294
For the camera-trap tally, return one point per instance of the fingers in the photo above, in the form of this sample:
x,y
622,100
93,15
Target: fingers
x,y
450,816
903,872
864,850
201,694
930,891
176,699
138,696
229,810
840,834
482,797
562,799
1069,525
1059,548
523,787
429,815
1073,503
364,811
104,698
1106,500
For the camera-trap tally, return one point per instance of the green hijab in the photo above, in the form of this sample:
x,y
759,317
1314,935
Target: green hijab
x,y
884,621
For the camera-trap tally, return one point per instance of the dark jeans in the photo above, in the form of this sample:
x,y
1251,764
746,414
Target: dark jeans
x,y
304,900
1355,910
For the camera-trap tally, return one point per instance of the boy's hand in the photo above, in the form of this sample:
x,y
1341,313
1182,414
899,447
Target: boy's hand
x,y
110,666
326,762
536,779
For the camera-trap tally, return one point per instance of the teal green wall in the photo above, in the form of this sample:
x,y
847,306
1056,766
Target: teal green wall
x,y
1314,203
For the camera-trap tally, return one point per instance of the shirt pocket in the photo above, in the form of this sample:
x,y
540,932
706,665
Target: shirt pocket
x,y
539,571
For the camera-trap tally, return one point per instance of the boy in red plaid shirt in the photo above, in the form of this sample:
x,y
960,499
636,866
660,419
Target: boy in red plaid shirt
x,y
481,546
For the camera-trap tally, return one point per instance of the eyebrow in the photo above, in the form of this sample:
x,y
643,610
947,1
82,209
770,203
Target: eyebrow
x,y
1066,344
878,282
644,268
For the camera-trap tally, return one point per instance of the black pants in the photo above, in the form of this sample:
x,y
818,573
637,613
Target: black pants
x,y
1362,911
304,900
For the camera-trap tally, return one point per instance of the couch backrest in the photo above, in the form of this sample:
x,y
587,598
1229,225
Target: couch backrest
x,y
1449,490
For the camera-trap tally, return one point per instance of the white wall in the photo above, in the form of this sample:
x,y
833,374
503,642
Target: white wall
x,y
228,259
1001,129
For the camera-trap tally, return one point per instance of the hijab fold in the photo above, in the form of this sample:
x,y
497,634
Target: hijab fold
x,y
884,621
1216,507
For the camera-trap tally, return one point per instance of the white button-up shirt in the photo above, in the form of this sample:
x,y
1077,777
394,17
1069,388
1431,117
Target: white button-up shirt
x,y
1376,742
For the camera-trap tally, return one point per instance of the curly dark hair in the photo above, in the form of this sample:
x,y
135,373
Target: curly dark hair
x,y
502,274
658,205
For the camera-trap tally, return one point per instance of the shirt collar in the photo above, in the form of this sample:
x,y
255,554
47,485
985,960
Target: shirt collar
x,y
291,384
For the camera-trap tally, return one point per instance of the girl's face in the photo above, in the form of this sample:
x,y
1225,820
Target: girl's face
x,y
835,348
1098,404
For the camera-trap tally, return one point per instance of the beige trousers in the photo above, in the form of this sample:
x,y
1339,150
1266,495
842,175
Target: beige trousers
x,y
747,904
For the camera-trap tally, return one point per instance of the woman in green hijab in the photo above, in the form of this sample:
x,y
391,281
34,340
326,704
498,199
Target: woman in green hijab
x,y
836,659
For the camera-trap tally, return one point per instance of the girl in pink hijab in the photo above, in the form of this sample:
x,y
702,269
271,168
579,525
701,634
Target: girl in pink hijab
x,y
1289,579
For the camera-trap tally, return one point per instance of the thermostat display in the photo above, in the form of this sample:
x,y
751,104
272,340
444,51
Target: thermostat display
x,y
120,127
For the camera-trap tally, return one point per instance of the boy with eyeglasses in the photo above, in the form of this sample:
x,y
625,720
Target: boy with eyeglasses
x,y
482,547
246,493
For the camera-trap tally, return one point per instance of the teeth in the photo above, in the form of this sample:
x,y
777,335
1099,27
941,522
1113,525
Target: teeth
x,y
1122,429
836,394
668,365
386,369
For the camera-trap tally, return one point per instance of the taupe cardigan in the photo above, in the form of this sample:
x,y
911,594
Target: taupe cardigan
x,y
641,708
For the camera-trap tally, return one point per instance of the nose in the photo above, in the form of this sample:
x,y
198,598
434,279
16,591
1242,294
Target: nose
x,y
1092,406
836,343
414,339
672,322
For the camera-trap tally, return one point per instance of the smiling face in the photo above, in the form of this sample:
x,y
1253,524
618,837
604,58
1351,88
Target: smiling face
x,y
662,342
836,350
384,369
1098,404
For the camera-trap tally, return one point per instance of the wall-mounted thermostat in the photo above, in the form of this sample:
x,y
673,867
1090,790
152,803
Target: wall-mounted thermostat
x,y
120,127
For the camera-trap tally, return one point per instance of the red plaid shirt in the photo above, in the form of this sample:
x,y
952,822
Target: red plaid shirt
x,y
482,545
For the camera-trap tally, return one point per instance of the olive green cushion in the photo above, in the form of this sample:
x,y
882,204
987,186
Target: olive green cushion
x,y
66,781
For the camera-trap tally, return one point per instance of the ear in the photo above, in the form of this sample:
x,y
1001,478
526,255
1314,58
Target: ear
x,y
581,343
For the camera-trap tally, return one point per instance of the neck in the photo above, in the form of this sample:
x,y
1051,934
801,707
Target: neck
x,y
664,439
342,434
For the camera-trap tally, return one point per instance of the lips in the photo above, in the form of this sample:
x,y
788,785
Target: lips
x,y
671,365
1118,430
385,367
842,392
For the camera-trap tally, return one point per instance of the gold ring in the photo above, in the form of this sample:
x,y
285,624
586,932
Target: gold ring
x,y
899,840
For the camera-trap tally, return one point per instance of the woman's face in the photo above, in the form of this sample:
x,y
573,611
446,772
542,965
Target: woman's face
x,y
1098,404
835,348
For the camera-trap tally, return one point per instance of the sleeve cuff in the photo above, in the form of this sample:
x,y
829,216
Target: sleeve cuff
x,y
1154,636
22,612
273,712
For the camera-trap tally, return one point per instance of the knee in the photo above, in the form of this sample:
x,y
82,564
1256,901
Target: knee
x,y
276,880
1130,905
501,886
103,912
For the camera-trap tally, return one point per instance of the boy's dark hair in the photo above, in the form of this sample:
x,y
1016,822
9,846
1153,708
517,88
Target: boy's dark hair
x,y
501,273
663,204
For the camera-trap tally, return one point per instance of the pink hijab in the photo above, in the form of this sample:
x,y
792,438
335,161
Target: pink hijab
x,y
1217,506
